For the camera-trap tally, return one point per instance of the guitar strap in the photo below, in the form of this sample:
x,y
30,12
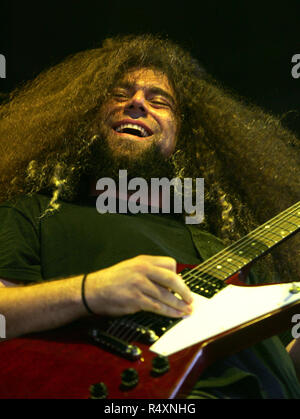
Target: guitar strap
x,y
206,244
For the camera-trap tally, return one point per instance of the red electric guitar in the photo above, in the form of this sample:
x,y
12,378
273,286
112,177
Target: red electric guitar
x,y
123,357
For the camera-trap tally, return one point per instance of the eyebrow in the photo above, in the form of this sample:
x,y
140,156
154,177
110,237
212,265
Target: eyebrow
x,y
152,89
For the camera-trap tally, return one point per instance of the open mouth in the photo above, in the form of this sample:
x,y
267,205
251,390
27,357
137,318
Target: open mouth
x,y
133,129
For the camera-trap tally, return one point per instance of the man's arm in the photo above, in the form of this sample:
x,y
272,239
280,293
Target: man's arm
x,y
141,283
40,307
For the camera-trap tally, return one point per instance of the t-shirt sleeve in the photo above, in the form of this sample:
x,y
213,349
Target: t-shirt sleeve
x,y
19,246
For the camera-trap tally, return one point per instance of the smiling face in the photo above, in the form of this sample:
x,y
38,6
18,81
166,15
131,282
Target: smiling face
x,y
140,113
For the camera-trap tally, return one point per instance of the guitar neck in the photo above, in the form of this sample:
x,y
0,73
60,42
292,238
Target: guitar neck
x,y
252,246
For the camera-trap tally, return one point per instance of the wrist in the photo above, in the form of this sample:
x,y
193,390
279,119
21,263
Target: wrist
x,y
84,297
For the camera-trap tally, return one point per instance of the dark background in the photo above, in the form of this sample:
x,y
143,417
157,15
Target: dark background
x,y
248,45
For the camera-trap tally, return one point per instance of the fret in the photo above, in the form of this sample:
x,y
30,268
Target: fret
x,y
272,236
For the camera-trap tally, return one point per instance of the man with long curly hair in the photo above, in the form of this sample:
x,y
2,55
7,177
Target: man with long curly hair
x,y
143,104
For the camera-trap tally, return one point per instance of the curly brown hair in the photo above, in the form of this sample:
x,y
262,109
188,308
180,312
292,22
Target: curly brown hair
x,y
250,162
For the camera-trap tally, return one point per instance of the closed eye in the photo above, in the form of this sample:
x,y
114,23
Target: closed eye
x,y
157,102
121,95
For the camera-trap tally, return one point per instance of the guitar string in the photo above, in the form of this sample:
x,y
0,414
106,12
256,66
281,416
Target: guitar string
x,y
138,318
133,334
193,277
130,335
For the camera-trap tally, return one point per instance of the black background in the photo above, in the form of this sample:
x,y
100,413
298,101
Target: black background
x,y
247,45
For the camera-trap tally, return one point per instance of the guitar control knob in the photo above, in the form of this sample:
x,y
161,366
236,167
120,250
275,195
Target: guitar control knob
x,y
98,391
130,378
160,365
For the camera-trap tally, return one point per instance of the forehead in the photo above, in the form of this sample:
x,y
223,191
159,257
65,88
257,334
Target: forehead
x,y
147,78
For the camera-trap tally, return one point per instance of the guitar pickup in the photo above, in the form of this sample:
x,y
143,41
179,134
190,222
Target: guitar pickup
x,y
137,331
115,345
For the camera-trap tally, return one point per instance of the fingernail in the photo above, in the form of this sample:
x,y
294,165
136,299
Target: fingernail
x,y
191,299
189,309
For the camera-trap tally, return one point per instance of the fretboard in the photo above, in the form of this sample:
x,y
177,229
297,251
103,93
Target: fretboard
x,y
249,248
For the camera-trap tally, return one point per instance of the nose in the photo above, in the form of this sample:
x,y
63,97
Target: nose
x,y
137,104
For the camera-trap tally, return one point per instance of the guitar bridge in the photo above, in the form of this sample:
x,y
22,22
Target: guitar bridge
x,y
116,345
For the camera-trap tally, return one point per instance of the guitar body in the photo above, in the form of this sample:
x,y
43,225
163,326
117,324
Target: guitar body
x,y
64,363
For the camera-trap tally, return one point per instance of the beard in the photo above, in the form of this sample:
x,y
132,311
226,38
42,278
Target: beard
x,y
108,156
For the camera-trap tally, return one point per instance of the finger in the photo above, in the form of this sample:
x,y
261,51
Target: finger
x,y
166,297
168,279
155,306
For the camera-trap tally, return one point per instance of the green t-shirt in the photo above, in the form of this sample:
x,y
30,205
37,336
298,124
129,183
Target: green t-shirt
x,y
77,239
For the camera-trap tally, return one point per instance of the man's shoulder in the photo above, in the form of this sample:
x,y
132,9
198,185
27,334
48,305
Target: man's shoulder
x,y
24,201
29,206
39,207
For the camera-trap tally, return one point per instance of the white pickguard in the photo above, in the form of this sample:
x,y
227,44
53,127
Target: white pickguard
x,y
231,307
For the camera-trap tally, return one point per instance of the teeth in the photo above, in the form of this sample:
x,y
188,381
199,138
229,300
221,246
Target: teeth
x,y
133,126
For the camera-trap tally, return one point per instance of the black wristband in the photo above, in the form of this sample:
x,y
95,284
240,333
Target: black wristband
x,y
83,295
